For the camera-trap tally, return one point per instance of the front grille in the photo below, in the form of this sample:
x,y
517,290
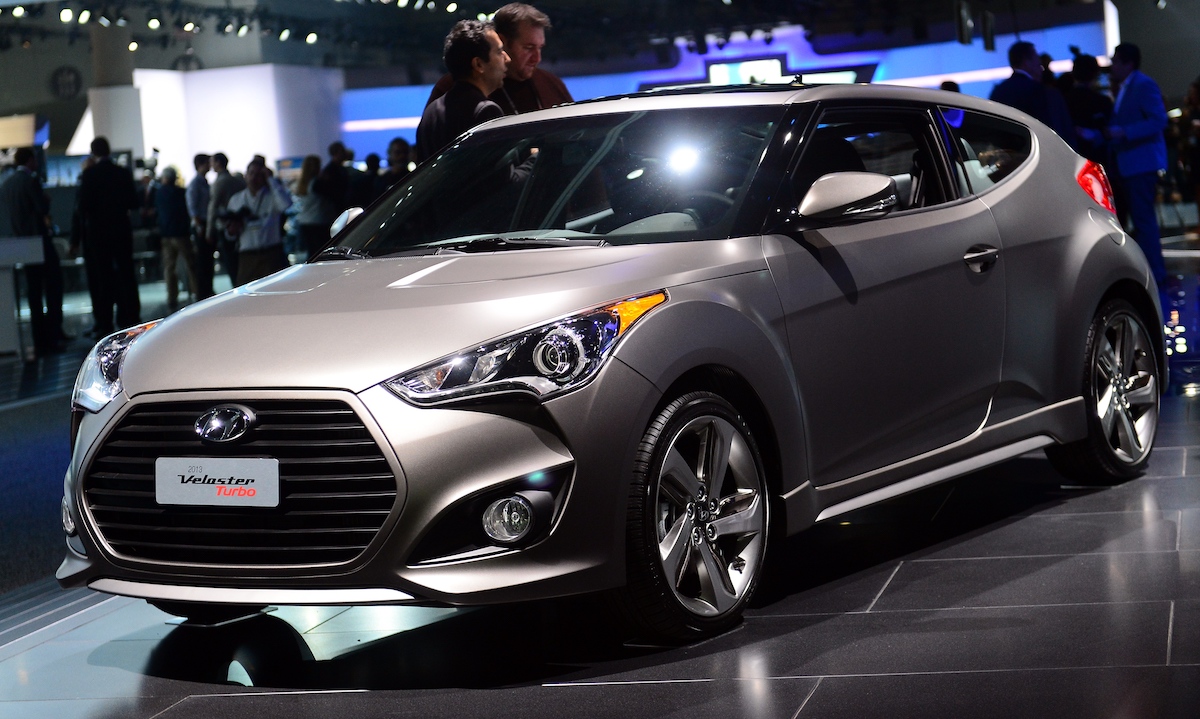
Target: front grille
x,y
335,487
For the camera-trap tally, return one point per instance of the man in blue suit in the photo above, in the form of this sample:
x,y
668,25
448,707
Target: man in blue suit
x,y
1024,91
1136,139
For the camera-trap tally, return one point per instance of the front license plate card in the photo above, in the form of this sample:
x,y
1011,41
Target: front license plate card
x,y
217,482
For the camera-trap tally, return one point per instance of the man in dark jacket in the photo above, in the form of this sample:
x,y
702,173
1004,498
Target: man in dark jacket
x,y
106,197
174,224
1025,91
29,212
476,58
527,87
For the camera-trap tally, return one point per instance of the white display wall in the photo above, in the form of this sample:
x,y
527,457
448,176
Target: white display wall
x,y
271,110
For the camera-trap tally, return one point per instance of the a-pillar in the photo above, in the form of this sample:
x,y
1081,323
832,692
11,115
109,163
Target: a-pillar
x,y
115,103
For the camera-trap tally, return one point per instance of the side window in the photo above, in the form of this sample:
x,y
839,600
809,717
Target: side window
x,y
895,143
989,148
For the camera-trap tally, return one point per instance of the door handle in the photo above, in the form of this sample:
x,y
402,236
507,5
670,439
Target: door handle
x,y
980,258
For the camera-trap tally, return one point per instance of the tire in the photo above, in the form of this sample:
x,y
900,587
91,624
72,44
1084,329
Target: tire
x,y
698,521
1121,387
206,614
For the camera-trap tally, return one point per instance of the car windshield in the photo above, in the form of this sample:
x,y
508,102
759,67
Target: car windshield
x,y
623,178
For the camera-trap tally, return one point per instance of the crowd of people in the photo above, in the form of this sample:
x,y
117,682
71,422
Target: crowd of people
x,y
256,225
1124,127
251,222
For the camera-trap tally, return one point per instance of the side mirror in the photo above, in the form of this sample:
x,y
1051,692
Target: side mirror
x,y
849,195
344,219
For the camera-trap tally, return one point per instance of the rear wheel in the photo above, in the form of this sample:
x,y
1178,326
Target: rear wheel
x,y
698,520
1121,390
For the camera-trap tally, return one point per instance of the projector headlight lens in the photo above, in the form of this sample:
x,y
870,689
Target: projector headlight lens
x,y
547,361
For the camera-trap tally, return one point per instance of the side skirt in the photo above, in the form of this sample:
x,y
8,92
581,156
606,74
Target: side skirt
x,y
1057,423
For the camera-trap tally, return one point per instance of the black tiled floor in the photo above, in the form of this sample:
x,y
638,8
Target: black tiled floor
x,y
1126,692
1073,579
1185,634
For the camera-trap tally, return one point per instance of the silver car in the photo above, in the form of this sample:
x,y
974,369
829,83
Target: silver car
x,y
623,346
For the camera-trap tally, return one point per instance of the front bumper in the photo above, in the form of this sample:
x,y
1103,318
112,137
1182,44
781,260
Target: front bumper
x,y
442,457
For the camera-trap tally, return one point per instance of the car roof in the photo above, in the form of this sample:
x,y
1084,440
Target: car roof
x,y
700,96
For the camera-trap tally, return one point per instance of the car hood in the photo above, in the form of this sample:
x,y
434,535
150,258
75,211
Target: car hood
x,y
353,324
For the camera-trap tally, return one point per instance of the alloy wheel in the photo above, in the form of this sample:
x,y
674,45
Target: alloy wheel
x,y
710,516
1126,388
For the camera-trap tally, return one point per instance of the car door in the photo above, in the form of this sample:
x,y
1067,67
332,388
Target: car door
x,y
895,332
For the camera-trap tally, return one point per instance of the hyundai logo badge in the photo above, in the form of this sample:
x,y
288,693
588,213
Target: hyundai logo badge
x,y
226,423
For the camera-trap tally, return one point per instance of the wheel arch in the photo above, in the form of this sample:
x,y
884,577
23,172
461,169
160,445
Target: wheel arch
x,y
718,336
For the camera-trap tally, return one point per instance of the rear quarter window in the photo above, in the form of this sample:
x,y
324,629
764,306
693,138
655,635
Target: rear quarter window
x,y
989,148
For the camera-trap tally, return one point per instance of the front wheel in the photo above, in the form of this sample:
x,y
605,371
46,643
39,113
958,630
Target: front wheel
x,y
698,520
1121,391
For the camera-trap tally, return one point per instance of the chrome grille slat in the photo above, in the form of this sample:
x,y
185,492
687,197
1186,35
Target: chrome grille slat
x,y
336,487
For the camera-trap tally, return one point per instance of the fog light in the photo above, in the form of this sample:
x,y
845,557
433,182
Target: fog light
x,y
508,520
68,524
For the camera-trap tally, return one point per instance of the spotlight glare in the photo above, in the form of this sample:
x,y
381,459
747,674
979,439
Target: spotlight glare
x,y
85,16
66,15
283,36
311,39
133,46
153,23
243,30
189,27
452,7
18,11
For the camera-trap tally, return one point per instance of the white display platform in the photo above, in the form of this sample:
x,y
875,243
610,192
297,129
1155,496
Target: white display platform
x,y
13,251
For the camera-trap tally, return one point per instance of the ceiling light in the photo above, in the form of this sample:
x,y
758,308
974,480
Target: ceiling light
x,y
133,46
104,20
311,39
189,27
18,11
285,34
66,15
85,16
122,21
452,7
154,23
243,30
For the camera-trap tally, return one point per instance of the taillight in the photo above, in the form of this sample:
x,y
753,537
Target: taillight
x,y
1094,182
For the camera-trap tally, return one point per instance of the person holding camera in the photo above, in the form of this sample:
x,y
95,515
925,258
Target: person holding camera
x,y
253,219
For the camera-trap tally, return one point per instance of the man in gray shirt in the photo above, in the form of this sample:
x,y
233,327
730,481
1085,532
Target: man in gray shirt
x,y
224,187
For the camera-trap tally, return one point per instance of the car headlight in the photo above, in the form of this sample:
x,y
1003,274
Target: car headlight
x,y
549,360
99,378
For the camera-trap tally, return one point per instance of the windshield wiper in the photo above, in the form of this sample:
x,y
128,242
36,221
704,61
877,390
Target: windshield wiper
x,y
339,252
494,244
